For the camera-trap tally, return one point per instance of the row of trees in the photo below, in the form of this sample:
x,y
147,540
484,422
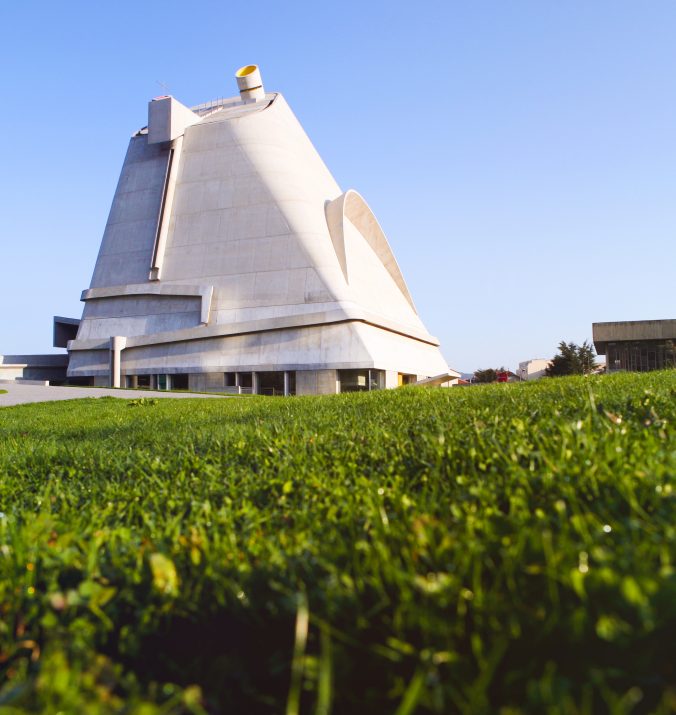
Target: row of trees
x,y
572,359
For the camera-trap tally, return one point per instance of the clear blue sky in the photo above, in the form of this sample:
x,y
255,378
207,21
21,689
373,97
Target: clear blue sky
x,y
521,156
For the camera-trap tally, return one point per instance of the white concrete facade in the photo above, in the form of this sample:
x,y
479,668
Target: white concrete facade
x,y
230,248
533,369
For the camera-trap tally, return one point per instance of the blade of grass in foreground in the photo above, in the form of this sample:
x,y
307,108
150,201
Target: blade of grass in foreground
x,y
302,622
325,687
412,694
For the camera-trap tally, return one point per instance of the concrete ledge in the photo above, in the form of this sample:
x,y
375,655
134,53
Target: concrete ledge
x,y
346,315
632,330
205,292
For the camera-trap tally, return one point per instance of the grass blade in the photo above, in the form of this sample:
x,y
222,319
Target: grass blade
x,y
302,622
325,685
412,695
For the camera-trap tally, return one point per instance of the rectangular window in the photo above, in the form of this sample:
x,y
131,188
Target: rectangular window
x,y
361,380
270,383
179,382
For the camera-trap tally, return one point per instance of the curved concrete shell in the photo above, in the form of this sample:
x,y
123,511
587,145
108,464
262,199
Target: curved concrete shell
x,y
230,250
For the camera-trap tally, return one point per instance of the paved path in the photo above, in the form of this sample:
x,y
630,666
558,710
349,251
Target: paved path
x,y
23,394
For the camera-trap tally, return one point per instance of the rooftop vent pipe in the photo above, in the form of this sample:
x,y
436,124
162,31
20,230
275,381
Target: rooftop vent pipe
x,y
250,83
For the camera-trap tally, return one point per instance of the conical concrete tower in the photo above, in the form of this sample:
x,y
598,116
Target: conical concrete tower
x,y
233,261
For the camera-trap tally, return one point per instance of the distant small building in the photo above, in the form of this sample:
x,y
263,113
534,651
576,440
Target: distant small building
x,y
533,369
636,344
33,368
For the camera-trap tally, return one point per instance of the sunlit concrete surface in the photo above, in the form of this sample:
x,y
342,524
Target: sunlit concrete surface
x,y
233,259
24,394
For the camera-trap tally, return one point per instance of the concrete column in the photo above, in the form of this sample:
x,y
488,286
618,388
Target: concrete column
x,y
286,384
254,383
117,345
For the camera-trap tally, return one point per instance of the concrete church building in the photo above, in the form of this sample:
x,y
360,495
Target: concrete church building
x,y
233,262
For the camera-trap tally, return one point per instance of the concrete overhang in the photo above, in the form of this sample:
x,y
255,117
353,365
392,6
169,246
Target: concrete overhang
x,y
204,292
631,330
438,380
65,329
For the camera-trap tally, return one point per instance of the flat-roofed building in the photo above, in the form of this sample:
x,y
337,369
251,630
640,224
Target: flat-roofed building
x,y
533,369
33,368
232,261
636,344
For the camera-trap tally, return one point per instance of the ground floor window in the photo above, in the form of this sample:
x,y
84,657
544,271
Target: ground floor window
x,y
157,382
276,383
179,382
281,382
641,356
261,383
361,380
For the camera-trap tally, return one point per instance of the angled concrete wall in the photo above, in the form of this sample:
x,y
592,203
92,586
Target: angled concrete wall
x,y
127,244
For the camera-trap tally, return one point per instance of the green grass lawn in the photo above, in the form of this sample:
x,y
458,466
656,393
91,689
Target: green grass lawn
x,y
500,549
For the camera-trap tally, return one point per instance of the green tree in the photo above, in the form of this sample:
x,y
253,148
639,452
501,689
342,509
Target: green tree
x,y
572,359
488,375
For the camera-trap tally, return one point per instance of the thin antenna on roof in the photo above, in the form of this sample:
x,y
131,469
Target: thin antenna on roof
x,y
164,86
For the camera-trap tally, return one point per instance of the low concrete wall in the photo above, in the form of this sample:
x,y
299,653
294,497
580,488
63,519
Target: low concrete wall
x,y
21,381
34,367
316,382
